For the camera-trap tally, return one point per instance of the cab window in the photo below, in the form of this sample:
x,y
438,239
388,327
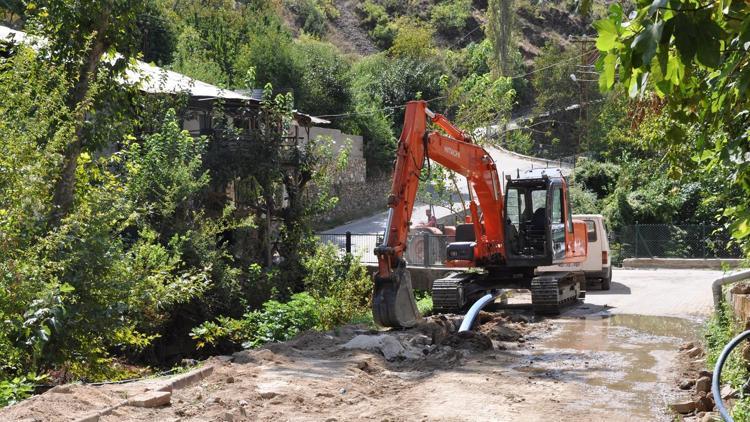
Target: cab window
x,y
591,230
557,207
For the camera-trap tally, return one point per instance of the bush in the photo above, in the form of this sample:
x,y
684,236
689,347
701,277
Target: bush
x,y
276,321
338,291
596,176
339,283
583,201
14,390
450,17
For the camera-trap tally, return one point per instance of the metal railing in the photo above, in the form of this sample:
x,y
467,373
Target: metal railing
x,y
419,246
636,241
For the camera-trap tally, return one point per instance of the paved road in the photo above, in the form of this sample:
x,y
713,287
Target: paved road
x,y
506,162
659,292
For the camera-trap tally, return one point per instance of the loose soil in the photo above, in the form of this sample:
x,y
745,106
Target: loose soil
x,y
584,369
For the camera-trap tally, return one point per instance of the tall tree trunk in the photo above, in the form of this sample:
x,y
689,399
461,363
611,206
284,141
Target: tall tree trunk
x,y
64,191
500,33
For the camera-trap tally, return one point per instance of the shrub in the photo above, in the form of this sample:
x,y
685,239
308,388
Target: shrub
x,y
450,17
276,321
596,176
338,291
339,283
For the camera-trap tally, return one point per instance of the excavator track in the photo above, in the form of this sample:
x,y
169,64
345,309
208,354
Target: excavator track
x,y
448,293
551,292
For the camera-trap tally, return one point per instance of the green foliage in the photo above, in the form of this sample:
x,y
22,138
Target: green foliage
x,y
450,17
312,15
424,303
338,291
413,40
276,321
14,390
324,86
340,284
583,201
719,330
482,100
376,19
597,177
696,55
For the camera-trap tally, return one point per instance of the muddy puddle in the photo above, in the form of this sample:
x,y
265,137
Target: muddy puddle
x,y
626,362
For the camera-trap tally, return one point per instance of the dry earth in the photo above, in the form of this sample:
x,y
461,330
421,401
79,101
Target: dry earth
x,y
590,364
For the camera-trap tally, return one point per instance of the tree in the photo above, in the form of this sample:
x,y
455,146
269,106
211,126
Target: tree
x,y
694,55
499,31
77,35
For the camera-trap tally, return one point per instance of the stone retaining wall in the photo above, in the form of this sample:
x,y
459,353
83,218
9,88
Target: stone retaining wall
x,y
357,200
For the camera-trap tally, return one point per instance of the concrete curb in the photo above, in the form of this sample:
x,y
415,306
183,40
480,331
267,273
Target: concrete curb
x,y
681,263
176,383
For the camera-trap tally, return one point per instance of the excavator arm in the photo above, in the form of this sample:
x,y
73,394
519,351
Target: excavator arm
x,y
393,298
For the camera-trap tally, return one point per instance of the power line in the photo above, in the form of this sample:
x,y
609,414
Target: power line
x,y
367,113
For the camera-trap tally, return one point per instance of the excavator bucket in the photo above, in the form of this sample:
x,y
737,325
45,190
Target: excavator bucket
x,y
393,303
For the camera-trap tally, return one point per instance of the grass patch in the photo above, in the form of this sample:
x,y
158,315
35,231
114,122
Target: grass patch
x,y
720,329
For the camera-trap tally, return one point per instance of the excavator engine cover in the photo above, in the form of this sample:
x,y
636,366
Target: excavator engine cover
x,y
393,303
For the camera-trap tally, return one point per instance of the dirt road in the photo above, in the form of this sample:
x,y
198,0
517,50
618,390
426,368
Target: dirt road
x,y
613,357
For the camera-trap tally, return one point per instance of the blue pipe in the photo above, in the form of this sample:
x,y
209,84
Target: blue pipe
x,y
716,381
470,316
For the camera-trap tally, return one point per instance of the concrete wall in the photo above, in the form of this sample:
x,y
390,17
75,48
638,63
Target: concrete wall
x,y
678,263
355,171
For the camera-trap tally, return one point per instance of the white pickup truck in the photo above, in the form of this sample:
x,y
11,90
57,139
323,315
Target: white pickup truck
x,y
598,264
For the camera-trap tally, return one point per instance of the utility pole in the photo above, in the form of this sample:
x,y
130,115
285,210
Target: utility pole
x,y
585,72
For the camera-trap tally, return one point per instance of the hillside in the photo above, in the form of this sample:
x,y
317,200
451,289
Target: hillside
x,y
536,24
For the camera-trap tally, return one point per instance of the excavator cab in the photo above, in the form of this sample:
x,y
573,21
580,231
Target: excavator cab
x,y
538,220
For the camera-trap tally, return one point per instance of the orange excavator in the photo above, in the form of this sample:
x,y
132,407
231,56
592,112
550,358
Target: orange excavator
x,y
508,234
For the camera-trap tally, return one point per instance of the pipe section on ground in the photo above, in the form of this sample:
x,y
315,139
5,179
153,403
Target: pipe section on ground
x,y
470,316
726,279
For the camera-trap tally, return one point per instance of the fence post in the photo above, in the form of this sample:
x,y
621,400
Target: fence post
x,y
348,242
636,239
426,250
703,239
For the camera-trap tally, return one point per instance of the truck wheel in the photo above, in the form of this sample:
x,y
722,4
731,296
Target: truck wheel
x,y
607,281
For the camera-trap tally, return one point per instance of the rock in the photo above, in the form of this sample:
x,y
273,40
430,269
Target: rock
x,y
420,340
151,399
704,404
503,333
687,346
224,358
230,380
212,400
683,407
727,392
687,384
694,352
435,328
703,384
741,289
385,344
268,395
710,417
342,391
228,416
